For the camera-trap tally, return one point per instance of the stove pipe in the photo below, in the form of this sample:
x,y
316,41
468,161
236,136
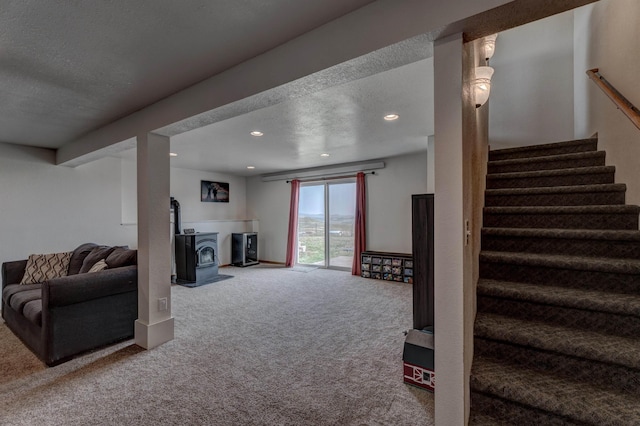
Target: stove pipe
x,y
175,205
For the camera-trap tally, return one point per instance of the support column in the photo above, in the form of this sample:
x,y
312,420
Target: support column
x,y
461,153
451,397
154,325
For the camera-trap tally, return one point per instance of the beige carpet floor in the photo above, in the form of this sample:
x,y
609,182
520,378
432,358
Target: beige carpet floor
x,y
270,346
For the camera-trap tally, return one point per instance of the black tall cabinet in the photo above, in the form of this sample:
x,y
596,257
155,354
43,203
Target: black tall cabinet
x,y
422,239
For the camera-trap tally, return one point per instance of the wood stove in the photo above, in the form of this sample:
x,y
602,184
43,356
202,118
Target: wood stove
x,y
197,257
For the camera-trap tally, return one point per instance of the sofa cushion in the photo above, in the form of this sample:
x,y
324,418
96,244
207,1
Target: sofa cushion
x,y
42,267
97,254
12,289
98,266
33,311
78,257
122,257
21,298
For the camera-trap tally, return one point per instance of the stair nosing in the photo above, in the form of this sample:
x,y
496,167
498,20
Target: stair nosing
x,y
548,158
597,209
563,189
580,263
562,233
600,301
545,146
553,172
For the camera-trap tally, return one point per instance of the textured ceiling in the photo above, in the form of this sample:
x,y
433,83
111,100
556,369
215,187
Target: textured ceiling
x,y
70,67
345,121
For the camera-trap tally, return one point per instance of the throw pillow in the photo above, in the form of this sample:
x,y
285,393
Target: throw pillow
x,y
98,253
98,266
122,257
42,267
78,256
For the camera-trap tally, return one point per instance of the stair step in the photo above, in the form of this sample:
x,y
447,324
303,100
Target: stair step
x,y
487,410
554,261
578,242
576,400
476,419
592,300
599,274
583,319
576,195
557,277
561,161
605,375
586,344
567,147
557,177
622,217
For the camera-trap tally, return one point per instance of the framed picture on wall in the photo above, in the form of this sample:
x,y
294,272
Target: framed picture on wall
x,y
214,192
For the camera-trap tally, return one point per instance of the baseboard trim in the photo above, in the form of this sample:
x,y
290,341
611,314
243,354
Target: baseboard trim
x,y
149,336
271,262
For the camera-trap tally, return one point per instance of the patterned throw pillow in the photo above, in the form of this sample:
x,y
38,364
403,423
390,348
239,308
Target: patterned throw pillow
x,y
42,267
98,266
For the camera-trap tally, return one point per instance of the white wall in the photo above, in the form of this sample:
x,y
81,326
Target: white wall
x,y
224,218
268,202
607,36
48,208
388,207
532,88
389,201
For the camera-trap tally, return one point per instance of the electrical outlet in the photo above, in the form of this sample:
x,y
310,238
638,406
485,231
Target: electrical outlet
x,y
162,304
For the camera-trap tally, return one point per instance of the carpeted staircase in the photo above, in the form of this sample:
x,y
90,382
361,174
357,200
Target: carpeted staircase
x,y
557,333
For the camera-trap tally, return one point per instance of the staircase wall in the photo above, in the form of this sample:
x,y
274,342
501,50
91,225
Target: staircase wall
x,y
533,84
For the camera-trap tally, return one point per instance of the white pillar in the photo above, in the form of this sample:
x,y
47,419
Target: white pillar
x,y
451,400
154,325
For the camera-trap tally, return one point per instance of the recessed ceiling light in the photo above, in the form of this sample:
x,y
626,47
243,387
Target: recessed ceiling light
x,y
256,133
391,117
173,154
251,167
325,155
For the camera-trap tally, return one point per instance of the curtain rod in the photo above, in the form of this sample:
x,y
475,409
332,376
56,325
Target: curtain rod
x,y
331,177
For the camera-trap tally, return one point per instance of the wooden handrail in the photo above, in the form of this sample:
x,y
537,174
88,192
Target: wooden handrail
x,y
621,102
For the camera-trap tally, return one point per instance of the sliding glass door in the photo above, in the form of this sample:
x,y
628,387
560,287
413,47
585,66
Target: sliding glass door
x,y
311,225
326,217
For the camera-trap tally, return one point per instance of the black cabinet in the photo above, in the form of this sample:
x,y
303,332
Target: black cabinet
x,y
422,243
244,248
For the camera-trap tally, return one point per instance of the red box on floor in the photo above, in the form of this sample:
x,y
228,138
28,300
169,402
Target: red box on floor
x,y
419,376
418,359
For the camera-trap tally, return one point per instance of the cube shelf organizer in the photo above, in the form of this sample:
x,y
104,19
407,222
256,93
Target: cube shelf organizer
x,y
387,266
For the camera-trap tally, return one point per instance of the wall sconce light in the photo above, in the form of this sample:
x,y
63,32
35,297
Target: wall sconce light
x,y
482,85
489,46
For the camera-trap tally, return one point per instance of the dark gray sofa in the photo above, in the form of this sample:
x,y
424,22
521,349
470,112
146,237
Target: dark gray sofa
x,y
65,316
